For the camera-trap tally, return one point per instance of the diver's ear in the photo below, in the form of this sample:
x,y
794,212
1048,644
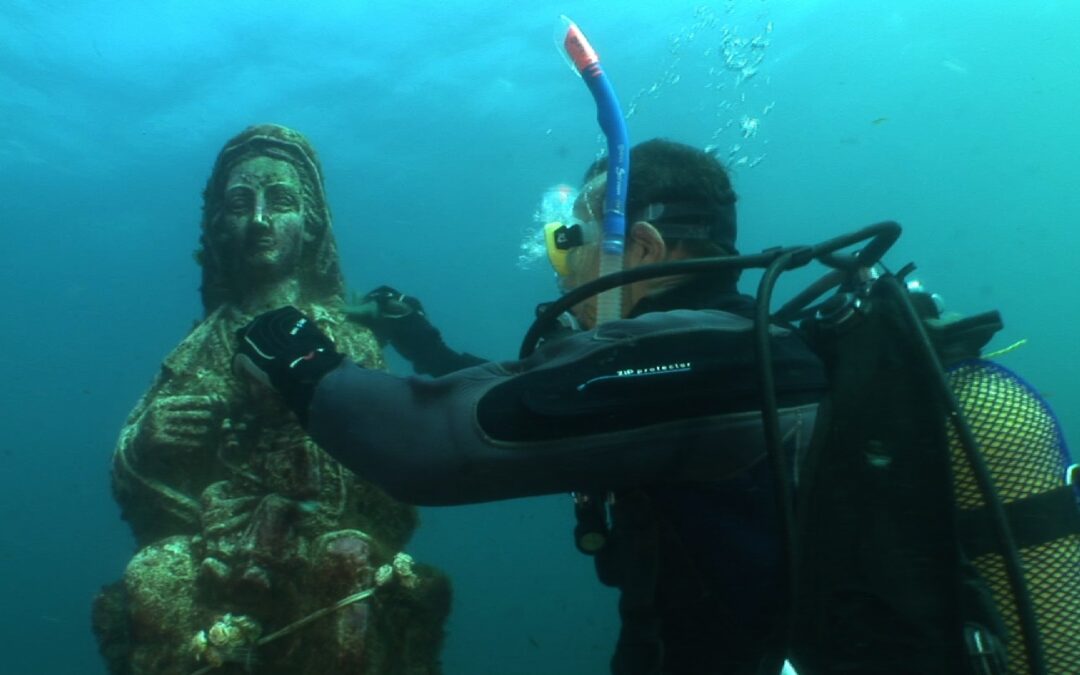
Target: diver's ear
x,y
646,245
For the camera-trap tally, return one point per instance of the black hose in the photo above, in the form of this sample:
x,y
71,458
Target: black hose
x,y
770,417
791,310
881,236
551,313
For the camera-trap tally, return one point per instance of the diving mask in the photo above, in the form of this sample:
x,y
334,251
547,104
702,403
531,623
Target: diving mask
x,y
564,237
563,240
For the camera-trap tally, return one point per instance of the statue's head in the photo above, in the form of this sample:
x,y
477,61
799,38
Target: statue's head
x,y
265,219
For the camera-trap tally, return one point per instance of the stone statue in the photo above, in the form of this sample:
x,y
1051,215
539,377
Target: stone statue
x,y
256,551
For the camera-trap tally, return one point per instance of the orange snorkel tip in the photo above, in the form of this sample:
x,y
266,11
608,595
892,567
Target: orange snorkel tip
x,y
577,47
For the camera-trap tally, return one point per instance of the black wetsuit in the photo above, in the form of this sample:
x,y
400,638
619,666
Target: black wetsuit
x,y
662,411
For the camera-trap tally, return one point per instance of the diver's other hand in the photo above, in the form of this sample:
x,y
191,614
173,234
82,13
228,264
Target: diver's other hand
x,y
386,311
400,320
180,422
285,350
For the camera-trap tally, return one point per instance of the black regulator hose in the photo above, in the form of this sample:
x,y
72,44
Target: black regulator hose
x,y
770,412
879,238
701,266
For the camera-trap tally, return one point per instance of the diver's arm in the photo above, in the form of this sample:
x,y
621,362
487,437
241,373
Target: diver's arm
x,y
665,398
669,397
422,442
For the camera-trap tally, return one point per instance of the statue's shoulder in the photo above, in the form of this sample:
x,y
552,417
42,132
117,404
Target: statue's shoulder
x,y
207,347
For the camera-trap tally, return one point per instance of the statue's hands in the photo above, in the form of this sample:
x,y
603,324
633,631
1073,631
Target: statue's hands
x,y
181,422
387,312
285,350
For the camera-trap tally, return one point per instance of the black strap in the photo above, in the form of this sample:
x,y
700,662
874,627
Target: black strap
x,y
1034,520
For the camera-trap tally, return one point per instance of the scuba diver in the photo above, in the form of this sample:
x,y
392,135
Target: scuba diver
x,y
685,498
626,415
843,482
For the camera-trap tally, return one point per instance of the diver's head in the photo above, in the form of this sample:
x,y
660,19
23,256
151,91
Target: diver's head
x,y
680,205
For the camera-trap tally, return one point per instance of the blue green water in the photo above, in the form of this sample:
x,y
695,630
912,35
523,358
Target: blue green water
x,y
439,126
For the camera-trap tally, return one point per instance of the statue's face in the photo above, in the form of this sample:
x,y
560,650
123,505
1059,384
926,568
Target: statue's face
x,y
263,223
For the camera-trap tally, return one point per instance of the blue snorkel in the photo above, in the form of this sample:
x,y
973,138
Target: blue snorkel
x,y
609,115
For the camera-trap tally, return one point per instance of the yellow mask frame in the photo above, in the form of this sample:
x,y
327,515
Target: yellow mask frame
x,y
559,239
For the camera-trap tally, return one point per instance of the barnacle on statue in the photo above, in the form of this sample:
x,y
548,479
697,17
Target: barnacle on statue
x,y
403,568
232,639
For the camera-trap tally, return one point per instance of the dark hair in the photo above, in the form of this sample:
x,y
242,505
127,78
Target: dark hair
x,y
666,172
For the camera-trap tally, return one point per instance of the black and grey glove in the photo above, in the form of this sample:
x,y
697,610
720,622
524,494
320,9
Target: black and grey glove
x,y
389,314
285,350
400,320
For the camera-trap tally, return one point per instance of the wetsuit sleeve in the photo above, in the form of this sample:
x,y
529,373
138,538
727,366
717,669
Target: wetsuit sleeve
x,y
416,339
447,440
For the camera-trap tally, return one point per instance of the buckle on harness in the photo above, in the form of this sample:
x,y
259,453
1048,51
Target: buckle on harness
x,y
986,654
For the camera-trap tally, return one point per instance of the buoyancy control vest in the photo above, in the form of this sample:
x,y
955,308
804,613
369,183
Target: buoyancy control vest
x,y
900,567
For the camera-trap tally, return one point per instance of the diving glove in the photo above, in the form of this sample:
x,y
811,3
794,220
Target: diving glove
x,y
388,313
285,350
400,320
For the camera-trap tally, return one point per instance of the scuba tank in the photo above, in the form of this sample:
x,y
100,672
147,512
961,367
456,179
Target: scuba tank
x,y
1024,450
1023,447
